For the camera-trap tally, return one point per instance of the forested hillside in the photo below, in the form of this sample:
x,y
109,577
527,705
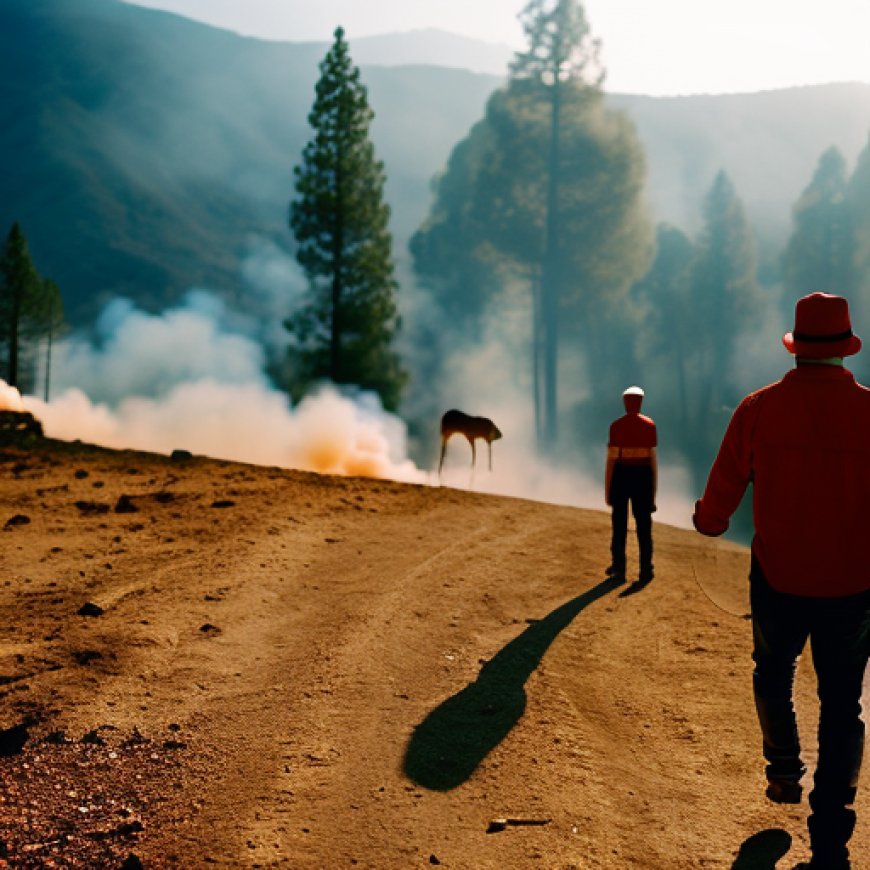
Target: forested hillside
x,y
768,143
143,149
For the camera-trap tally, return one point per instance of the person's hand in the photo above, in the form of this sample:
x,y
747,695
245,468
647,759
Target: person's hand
x,y
705,528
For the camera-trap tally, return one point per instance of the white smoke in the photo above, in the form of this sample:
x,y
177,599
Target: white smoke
x,y
327,432
193,377
182,380
274,287
139,354
492,380
10,398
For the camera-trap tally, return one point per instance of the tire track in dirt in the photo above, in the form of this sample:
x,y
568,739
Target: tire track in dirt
x,y
273,731
394,665
359,677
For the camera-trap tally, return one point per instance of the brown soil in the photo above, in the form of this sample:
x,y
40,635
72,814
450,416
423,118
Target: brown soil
x,y
292,670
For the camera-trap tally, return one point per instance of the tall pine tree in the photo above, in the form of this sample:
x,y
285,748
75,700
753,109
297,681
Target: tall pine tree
x,y
725,290
560,51
820,251
345,329
544,192
668,328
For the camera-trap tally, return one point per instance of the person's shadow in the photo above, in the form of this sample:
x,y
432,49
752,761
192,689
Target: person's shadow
x,y
448,745
761,851
637,586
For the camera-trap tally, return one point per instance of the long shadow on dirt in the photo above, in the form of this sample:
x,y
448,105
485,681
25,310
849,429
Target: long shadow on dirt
x,y
449,744
762,850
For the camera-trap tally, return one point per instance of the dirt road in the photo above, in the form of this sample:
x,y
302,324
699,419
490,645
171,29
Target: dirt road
x,y
290,670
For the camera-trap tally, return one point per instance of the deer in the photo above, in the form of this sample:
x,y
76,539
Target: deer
x,y
455,422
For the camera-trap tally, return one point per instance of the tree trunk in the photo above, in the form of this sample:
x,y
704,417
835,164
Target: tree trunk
x,y
48,360
14,319
537,368
550,283
335,372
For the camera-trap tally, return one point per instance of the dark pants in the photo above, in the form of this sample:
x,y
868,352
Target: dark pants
x,y
632,483
839,633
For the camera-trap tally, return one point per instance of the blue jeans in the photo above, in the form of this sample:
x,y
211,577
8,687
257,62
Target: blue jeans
x,y
838,630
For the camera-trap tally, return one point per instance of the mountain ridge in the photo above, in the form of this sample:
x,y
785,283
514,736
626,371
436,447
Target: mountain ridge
x,y
148,147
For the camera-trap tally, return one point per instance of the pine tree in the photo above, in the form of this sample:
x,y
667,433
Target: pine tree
x,y
21,300
820,251
560,46
858,210
345,329
545,193
561,52
724,288
668,327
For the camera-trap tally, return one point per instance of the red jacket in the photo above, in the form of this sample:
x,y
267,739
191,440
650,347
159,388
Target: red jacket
x,y
804,443
632,438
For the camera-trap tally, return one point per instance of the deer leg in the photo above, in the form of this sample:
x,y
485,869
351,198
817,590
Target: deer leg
x,y
489,445
443,449
473,452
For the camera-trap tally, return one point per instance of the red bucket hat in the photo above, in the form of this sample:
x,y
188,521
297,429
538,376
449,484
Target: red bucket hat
x,y
822,328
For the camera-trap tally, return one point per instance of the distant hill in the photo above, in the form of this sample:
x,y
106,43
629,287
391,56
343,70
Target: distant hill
x,y
432,47
142,149
769,143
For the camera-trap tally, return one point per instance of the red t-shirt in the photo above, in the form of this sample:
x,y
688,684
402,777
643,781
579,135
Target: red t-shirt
x,y
632,438
804,442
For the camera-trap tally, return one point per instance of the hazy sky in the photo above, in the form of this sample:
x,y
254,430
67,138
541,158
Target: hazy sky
x,y
661,47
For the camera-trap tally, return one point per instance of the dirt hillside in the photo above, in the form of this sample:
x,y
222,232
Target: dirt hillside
x,y
207,664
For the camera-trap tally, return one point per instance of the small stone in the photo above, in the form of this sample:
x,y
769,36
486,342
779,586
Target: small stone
x,y
180,455
125,505
223,503
90,609
12,739
93,738
17,520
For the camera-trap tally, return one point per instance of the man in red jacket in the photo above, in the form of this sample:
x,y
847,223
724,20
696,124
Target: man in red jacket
x,y
804,443
630,476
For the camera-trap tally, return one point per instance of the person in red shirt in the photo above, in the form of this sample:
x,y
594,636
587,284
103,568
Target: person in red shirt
x,y
631,476
804,444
